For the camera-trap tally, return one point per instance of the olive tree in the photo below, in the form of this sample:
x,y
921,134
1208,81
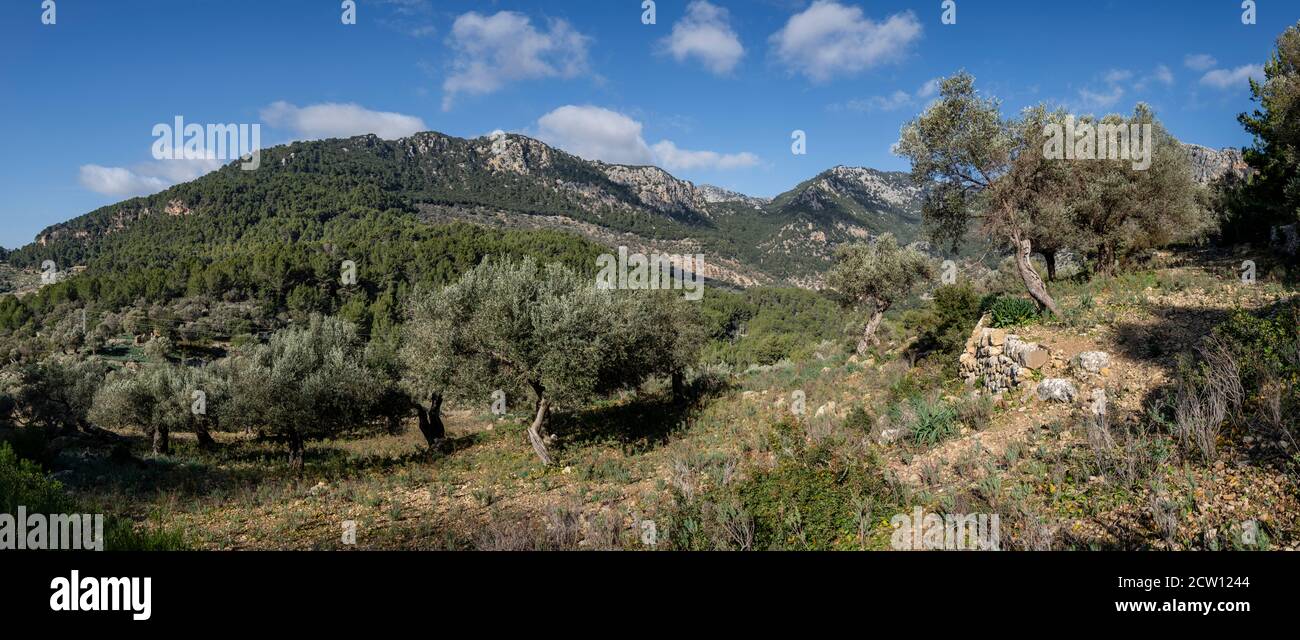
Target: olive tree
x,y
1008,175
873,276
965,155
305,382
545,331
161,400
58,393
1119,210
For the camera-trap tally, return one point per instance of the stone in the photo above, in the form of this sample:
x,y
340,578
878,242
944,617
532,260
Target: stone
x,y
1035,359
997,337
1057,390
889,435
1092,361
1098,404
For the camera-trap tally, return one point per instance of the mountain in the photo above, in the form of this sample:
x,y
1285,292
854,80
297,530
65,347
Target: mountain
x,y
1209,164
718,194
508,181
845,204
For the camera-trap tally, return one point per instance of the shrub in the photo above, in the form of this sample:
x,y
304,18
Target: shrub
x,y
944,326
798,506
1012,311
23,483
860,419
932,421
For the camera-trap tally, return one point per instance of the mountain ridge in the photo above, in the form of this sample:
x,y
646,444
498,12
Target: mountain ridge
x,y
439,177
506,180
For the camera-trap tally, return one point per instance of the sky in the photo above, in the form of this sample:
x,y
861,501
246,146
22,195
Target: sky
x,y
710,90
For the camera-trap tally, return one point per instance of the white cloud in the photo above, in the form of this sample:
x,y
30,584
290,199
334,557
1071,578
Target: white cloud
x,y
1199,61
117,181
1233,78
1115,84
596,133
1115,76
674,159
892,102
143,179
930,88
492,51
1090,100
1163,75
705,34
333,120
829,39
412,17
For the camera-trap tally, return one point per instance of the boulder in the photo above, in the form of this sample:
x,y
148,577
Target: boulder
x,y
1092,361
1057,390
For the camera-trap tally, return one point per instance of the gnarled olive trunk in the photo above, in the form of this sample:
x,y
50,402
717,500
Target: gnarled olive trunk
x,y
206,443
869,334
204,436
431,426
1049,256
679,385
1033,282
537,430
161,441
296,450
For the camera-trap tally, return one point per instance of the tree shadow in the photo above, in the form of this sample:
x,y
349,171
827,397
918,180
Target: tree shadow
x,y
1177,332
191,472
641,424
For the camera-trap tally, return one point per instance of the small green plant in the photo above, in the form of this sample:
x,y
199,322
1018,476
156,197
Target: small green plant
x,y
1010,311
859,419
934,422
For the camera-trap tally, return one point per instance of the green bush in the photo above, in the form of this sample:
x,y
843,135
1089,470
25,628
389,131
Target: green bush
x,y
24,483
943,327
1011,311
860,418
1266,350
800,507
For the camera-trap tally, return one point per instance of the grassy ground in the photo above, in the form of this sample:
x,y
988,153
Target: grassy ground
x,y
739,468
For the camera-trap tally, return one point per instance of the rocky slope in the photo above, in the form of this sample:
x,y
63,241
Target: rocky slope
x,y
1209,164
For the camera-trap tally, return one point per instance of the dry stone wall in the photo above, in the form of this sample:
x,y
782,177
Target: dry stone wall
x,y
1000,360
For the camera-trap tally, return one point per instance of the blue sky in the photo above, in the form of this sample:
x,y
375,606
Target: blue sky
x,y
711,91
